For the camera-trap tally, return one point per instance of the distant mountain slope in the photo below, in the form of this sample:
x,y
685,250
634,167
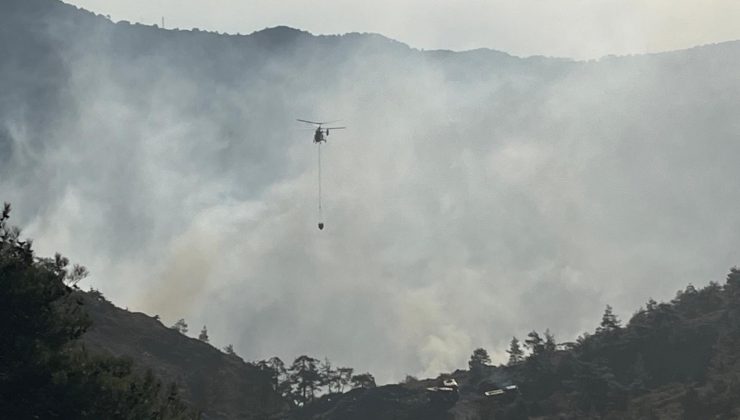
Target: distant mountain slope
x,y
219,385
55,55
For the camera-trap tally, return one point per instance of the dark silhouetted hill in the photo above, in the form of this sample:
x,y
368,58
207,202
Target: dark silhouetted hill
x,y
219,385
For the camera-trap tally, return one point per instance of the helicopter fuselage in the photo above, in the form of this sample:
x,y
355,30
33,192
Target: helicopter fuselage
x,y
320,136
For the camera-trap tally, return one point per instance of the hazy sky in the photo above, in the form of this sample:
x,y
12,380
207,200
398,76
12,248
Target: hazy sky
x,y
472,198
568,28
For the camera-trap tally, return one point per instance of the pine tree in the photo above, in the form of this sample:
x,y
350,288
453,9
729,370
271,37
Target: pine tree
x,y
329,376
203,336
345,377
478,362
534,342
516,353
609,321
733,288
305,376
651,305
479,357
275,368
229,349
363,380
733,278
278,366
550,344
181,326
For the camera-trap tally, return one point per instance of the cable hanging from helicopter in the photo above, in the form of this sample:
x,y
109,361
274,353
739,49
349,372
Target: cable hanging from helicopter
x,y
319,137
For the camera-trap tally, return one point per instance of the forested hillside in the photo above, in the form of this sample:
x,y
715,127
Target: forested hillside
x,y
44,371
218,384
672,360
74,355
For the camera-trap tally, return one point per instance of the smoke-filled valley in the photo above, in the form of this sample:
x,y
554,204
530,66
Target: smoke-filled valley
x,y
474,196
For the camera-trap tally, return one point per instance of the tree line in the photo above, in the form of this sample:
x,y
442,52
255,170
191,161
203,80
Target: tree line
x,y
685,353
307,377
303,380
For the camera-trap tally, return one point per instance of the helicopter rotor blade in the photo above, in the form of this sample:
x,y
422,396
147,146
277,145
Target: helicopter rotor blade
x,y
335,128
309,122
316,122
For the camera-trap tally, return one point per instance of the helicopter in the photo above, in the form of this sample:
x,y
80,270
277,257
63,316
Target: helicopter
x,y
319,137
321,133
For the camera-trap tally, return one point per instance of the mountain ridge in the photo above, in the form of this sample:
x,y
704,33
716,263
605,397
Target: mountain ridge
x,y
296,32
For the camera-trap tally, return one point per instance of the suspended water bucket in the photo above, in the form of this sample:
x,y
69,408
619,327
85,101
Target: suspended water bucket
x,y
321,225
